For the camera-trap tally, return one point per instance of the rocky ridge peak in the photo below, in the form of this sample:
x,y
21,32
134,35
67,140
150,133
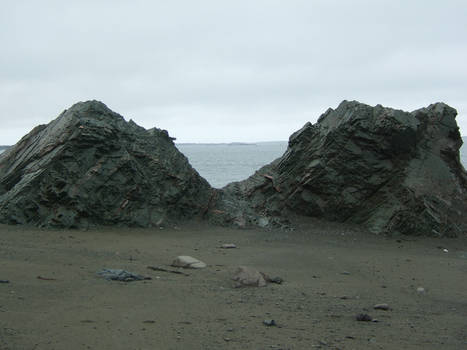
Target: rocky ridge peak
x,y
389,170
90,167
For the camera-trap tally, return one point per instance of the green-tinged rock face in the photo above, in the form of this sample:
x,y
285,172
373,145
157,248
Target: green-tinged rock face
x,y
392,171
89,166
389,170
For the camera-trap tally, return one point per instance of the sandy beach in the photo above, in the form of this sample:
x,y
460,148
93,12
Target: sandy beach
x,y
54,298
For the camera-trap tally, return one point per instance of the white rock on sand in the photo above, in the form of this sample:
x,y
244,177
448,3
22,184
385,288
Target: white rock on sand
x,y
382,306
188,262
228,246
247,276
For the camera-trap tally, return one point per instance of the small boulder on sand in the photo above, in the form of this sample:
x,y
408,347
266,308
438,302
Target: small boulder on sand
x,y
228,246
188,262
121,275
249,277
383,306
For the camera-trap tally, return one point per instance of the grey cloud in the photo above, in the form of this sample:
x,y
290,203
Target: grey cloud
x,y
210,70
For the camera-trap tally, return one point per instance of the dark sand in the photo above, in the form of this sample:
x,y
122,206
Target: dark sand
x,y
331,272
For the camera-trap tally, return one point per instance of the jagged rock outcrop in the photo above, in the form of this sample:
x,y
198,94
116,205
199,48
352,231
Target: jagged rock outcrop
x,y
390,170
91,167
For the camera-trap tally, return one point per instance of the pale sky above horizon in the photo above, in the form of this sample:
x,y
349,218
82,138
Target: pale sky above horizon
x,y
228,71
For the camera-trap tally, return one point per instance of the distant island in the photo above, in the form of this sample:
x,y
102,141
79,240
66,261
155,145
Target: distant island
x,y
216,144
229,143
241,144
2,148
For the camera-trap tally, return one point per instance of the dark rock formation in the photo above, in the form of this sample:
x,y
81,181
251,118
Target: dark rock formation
x,y
392,171
389,170
89,166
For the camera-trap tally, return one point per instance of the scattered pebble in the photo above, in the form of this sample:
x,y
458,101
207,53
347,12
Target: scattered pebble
x,y
247,276
188,262
384,307
269,323
364,317
263,222
119,275
277,280
345,273
421,290
45,278
4,281
228,246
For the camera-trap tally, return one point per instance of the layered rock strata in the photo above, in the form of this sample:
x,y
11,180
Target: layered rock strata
x,y
390,170
91,167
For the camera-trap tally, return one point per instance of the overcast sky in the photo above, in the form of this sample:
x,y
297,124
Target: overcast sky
x,y
214,71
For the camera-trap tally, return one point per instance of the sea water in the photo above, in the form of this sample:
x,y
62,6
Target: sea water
x,y
221,164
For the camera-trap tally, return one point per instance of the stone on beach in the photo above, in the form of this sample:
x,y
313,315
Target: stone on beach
x,y
249,277
120,275
188,262
383,306
269,322
364,317
228,246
